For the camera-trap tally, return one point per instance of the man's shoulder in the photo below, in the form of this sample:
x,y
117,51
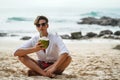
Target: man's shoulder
x,y
53,34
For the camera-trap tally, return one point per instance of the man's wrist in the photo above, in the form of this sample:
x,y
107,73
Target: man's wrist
x,y
35,49
44,73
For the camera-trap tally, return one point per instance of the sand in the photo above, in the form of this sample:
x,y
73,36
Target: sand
x,y
91,60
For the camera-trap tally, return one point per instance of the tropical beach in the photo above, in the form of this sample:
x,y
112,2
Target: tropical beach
x,y
90,31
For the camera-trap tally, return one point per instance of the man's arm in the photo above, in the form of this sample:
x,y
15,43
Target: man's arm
x,y
25,51
60,60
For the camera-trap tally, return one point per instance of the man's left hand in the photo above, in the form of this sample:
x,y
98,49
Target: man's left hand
x,y
50,71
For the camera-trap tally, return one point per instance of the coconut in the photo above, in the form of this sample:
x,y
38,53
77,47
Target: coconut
x,y
44,41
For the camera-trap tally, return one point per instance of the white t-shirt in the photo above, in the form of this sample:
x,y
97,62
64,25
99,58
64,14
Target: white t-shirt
x,y
55,48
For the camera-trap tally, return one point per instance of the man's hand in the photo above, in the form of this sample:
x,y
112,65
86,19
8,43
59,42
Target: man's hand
x,y
49,75
50,71
38,47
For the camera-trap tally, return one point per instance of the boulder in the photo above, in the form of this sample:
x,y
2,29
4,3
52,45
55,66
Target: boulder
x,y
105,32
3,34
76,35
117,37
111,37
117,33
13,35
91,34
119,22
108,36
108,21
88,20
117,47
105,21
25,38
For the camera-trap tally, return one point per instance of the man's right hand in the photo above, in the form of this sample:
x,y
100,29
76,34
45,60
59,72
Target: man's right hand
x,y
38,47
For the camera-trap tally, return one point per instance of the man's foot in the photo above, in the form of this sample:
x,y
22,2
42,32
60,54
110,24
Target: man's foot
x,y
58,72
32,73
53,75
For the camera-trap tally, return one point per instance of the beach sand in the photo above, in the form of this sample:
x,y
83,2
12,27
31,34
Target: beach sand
x,y
90,61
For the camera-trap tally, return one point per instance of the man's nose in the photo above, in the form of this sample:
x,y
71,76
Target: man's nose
x,y
40,27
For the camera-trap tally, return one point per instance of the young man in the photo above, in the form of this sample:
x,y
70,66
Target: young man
x,y
52,60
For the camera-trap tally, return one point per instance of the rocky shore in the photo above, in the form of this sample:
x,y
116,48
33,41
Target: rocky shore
x,y
104,21
108,34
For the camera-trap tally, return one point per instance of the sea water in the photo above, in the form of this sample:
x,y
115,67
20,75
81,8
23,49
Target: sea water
x,y
20,22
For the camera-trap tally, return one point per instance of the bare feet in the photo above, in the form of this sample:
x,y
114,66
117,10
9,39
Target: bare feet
x,y
32,73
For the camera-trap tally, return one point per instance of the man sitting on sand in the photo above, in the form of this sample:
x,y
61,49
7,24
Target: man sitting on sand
x,y
52,60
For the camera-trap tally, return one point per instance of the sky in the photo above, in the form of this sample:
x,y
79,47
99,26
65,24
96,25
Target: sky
x,y
59,3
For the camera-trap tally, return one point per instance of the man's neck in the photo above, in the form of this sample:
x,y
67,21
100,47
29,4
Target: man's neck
x,y
44,34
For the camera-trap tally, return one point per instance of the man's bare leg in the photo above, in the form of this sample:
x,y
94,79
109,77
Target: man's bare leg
x,y
62,67
32,64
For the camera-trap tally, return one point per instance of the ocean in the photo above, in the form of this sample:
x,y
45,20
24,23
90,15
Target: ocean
x,y
63,21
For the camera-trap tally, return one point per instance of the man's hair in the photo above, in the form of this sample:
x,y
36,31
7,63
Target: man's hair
x,y
40,18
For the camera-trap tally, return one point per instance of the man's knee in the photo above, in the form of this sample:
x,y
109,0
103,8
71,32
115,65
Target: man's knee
x,y
69,58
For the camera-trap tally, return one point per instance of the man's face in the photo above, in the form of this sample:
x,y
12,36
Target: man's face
x,y
42,26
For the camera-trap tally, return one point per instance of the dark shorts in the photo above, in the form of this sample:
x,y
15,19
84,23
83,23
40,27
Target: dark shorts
x,y
43,64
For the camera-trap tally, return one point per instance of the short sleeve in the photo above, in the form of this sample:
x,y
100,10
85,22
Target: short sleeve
x,y
29,43
61,45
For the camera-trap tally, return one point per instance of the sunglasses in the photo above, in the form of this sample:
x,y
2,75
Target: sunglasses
x,y
42,24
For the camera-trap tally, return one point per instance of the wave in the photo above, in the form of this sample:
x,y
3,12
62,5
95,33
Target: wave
x,y
92,14
11,19
101,13
17,19
62,20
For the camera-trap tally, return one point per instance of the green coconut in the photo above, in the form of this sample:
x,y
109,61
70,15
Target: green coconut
x,y
45,43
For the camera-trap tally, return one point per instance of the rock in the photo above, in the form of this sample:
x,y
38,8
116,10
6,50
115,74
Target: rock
x,y
25,38
91,34
117,47
104,32
116,37
76,35
111,37
85,37
119,22
88,20
13,35
105,21
3,34
117,33
109,21
65,36
108,36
